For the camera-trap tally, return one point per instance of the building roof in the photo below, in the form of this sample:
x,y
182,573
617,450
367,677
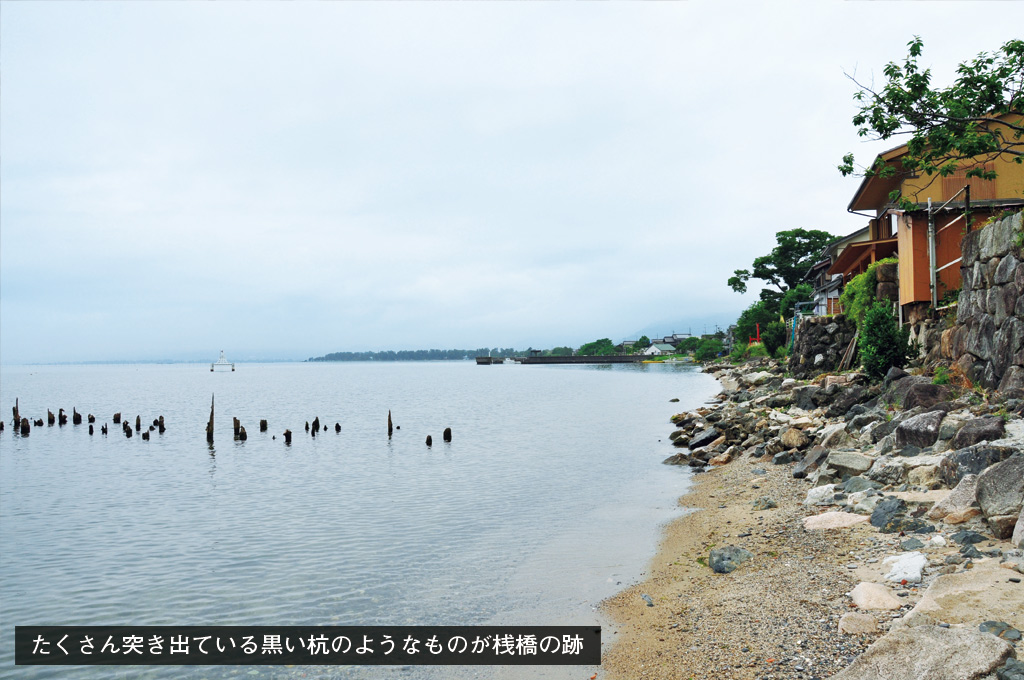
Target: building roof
x,y
664,347
856,253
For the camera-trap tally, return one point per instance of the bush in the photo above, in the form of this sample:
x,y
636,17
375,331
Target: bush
x,y
760,312
773,336
859,293
883,344
708,349
941,376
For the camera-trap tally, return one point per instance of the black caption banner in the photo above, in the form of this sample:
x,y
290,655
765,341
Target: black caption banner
x,y
307,645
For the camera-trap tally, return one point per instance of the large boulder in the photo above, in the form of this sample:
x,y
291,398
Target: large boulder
x,y
847,398
794,438
978,430
921,430
898,389
810,461
929,653
804,397
972,461
874,596
964,496
925,395
1001,494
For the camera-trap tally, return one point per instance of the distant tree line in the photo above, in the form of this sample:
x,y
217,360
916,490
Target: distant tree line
x,y
419,354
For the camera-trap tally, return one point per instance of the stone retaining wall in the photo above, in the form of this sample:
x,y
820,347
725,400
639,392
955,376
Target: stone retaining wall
x,y
820,343
987,340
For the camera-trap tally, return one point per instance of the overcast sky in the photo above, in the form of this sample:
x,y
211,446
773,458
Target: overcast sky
x,y
283,180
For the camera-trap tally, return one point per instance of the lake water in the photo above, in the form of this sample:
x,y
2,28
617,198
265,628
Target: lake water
x,y
548,499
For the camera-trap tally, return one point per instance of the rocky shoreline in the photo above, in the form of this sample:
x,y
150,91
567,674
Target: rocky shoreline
x,y
841,529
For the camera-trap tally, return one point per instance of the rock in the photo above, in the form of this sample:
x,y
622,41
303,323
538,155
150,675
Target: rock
x,y
961,516
907,567
892,375
857,624
924,475
972,461
794,438
847,398
1011,670
1001,629
929,653
764,503
848,464
704,437
925,395
855,484
810,461
803,397
874,596
819,493
721,459
978,430
727,559
886,472
965,537
783,458
1001,489
834,436
1001,526
921,430
951,424
1017,538
911,544
833,520
886,512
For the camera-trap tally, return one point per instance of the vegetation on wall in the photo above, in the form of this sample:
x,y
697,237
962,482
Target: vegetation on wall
x,y
859,294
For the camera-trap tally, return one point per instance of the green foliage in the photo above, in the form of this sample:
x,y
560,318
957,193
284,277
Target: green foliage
x,y
947,126
708,349
598,348
773,337
941,376
859,293
688,345
643,343
742,353
561,352
786,265
883,344
802,292
760,312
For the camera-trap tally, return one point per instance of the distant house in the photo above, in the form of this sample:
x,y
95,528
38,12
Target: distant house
x,y
828,274
908,229
659,349
628,345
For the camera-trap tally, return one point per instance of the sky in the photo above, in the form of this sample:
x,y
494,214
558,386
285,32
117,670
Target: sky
x,y
283,180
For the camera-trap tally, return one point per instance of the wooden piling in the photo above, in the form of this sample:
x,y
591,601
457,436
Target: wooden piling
x,y
90,429
50,418
316,424
62,418
76,417
145,435
235,424
25,427
160,424
103,429
209,425
390,427
263,425
307,426
430,440
92,418
17,414
242,436
117,418
127,429
447,434
288,437
337,428
38,422
138,423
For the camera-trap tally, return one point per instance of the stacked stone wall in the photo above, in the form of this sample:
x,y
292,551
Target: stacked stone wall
x,y
987,339
820,344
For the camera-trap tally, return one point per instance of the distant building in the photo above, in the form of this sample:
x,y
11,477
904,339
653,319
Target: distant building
x,y
659,349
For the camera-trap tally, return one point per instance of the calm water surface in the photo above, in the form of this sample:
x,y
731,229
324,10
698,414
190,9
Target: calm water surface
x,y
548,499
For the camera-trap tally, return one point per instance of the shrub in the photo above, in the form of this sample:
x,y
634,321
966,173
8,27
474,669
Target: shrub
x,y
883,344
941,376
859,293
773,336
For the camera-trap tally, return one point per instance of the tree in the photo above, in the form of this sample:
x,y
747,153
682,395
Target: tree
x,y
708,349
760,312
597,348
643,343
883,344
688,344
802,292
786,265
947,127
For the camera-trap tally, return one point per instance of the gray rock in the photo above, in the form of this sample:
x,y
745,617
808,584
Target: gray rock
x,y
857,484
978,430
859,422
1017,538
892,375
764,503
803,397
1001,488
810,462
911,544
926,395
704,437
921,430
972,461
782,458
726,559
966,537
885,472
848,464
1012,670
929,653
886,511
896,393
964,496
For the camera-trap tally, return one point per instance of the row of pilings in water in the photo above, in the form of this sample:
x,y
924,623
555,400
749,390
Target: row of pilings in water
x,y
240,434
23,425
